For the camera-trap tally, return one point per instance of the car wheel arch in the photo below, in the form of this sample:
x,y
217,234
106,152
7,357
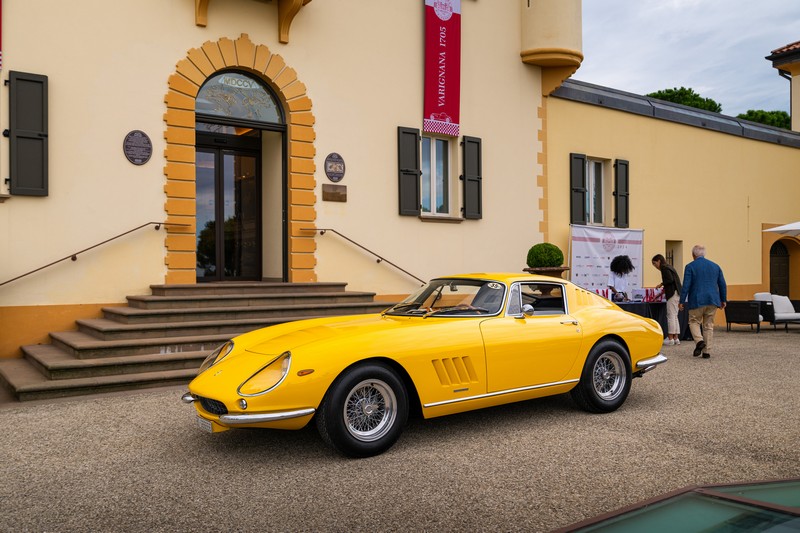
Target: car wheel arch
x,y
414,403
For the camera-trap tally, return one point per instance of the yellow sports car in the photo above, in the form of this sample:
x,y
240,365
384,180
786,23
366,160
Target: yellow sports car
x,y
459,343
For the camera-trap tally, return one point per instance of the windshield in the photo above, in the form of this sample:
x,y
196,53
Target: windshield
x,y
453,297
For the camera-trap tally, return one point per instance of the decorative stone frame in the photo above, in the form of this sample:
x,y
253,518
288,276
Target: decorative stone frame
x,y
184,84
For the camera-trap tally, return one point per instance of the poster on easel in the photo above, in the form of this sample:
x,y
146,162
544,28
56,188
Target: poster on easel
x,y
593,247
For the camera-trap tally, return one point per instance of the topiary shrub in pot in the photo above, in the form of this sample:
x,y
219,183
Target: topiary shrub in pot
x,y
546,258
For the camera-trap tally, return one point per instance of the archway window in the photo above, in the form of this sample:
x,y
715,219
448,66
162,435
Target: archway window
x,y
235,95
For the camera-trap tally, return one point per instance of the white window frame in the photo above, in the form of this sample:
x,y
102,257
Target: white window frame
x,y
593,166
431,147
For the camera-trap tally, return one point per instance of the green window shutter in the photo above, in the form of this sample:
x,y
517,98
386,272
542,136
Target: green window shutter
x,y
472,164
408,170
28,134
577,198
621,193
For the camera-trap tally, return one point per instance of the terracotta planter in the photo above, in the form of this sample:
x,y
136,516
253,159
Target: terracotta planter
x,y
555,272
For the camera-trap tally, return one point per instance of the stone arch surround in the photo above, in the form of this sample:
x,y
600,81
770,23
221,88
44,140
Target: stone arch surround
x,y
184,84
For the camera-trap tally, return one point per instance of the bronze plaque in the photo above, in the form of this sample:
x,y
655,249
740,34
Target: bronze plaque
x,y
334,193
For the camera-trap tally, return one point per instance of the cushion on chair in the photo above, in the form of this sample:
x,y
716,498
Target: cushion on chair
x,y
763,296
782,304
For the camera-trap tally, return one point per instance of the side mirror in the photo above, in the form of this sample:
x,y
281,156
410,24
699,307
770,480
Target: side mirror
x,y
527,310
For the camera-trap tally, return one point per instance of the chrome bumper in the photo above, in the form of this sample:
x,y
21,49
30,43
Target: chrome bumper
x,y
244,419
646,365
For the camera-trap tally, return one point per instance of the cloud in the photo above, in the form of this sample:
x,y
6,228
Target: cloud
x,y
716,47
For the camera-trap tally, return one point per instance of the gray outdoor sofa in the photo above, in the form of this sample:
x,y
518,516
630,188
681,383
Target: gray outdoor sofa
x,y
777,309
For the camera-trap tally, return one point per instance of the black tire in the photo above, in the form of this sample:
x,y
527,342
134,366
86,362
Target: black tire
x,y
605,380
364,411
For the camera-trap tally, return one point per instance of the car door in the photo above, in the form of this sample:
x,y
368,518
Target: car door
x,y
536,348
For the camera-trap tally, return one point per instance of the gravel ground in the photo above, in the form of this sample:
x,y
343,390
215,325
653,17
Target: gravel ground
x,y
136,462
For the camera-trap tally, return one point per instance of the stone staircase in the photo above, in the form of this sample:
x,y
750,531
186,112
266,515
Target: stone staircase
x,y
161,339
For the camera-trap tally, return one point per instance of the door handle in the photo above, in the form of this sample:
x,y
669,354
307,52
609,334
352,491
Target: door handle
x,y
570,322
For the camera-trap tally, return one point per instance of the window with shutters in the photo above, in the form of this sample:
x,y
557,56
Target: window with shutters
x,y
595,195
426,183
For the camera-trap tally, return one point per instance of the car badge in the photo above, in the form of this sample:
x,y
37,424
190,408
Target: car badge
x,y
217,373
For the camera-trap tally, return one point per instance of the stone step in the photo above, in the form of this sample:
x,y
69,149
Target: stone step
x,y
109,330
57,364
84,346
239,300
254,287
130,315
27,383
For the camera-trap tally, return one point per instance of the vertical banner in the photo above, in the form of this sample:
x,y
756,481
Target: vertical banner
x,y
593,248
441,110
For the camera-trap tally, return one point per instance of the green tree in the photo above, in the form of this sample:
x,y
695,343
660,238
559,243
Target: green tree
x,y
779,119
687,97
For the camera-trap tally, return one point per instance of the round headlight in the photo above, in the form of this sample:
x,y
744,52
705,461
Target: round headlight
x,y
268,377
216,356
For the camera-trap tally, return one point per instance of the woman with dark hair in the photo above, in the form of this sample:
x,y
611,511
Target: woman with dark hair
x,y
620,267
671,282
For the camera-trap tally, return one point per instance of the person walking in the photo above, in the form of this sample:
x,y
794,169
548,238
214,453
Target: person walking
x,y
703,292
671,283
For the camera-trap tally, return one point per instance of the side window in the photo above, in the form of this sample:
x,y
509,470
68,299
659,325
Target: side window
x,y
514,303
545,298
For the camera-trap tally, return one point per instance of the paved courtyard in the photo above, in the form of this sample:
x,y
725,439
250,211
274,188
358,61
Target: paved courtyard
x,y
136,461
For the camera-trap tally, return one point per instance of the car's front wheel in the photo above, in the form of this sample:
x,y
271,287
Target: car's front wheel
x,y
606,378
364,411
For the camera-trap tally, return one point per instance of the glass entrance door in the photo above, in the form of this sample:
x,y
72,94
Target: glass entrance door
x,y
228,215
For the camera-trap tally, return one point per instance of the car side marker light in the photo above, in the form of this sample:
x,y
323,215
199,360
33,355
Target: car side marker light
x,y
305,372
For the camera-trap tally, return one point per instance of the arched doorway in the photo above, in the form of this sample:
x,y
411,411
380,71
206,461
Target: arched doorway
x,y
240,180
299,198
779,269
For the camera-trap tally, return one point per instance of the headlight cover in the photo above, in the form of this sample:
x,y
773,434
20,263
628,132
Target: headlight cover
x,y
268,377
216,356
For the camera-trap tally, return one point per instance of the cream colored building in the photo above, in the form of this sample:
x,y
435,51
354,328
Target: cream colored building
x,y
128,117
327,77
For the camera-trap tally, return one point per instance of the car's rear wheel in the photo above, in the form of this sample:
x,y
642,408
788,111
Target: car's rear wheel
x,y
364,411
606,378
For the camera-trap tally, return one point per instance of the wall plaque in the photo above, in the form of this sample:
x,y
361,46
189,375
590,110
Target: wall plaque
x,y
334,167
137,147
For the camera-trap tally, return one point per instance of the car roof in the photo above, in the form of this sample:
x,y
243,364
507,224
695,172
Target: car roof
x,y
506,277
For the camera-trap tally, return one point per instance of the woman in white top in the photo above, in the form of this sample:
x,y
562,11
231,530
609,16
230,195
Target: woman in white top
x,y
620,267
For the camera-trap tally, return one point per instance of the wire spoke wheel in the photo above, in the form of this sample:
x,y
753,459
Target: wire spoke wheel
x,y
608,376
370,410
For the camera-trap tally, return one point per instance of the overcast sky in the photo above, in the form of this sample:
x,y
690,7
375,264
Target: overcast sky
x,y
716,47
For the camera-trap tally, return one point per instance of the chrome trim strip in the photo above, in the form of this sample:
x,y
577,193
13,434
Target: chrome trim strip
x,y
646,365
257,418
499,393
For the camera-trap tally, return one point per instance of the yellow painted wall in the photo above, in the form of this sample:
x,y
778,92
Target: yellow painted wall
x,y
686,184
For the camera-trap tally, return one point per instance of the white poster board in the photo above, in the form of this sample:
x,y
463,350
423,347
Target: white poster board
x,y
593,247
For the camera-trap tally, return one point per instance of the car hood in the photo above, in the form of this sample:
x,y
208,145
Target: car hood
x,y
290,336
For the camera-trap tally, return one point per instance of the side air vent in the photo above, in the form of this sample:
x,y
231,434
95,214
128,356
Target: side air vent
x,y
455,371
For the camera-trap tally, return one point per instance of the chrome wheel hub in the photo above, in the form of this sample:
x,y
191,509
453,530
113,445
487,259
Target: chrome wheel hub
x,y
370,410
608,376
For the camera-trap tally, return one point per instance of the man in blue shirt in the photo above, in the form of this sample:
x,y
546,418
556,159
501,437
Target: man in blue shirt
x,y
703,292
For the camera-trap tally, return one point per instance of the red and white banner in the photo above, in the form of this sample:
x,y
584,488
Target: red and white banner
x,y
441,113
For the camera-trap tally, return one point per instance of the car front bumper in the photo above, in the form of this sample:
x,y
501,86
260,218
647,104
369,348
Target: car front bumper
x,y
264,419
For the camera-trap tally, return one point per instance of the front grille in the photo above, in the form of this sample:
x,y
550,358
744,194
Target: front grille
x,y
215,407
